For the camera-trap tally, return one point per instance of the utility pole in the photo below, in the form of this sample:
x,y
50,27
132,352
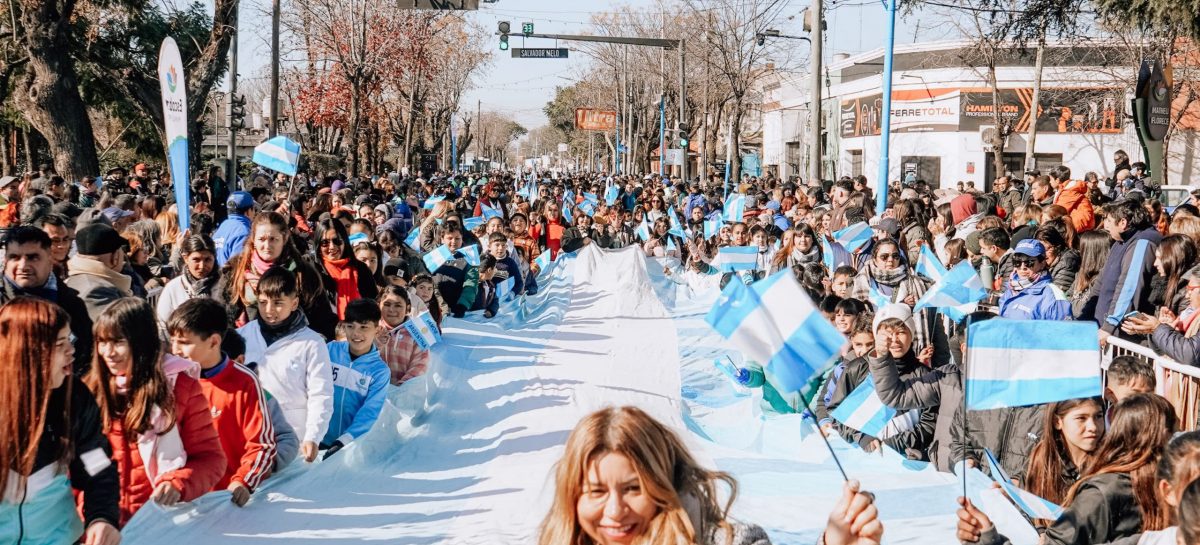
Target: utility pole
x,y
683,170
231,146
273,123
814,146
1034,111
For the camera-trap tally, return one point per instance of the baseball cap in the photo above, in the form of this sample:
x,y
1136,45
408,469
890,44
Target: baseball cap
x,y
114,214
1030,247
98,239
240,201
8,180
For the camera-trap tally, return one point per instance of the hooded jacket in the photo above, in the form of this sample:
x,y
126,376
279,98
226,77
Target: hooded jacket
x,y
359,390
1124,283
1040,301
1072,195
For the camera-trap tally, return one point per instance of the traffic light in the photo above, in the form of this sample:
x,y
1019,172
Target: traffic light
x,y
683,130
237,111
526,28
761,39
504,28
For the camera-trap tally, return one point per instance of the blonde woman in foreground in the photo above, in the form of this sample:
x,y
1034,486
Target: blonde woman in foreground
x,y
627,479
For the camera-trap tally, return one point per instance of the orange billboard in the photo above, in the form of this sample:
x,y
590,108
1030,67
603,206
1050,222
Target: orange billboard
x,y
589,119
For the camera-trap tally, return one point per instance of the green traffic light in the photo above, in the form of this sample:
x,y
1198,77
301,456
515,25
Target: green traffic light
x,y
504,43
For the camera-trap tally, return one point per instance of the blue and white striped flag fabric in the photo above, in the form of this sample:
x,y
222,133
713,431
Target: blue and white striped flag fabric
x,y
432,201
676,228
591,197
1014,363
863,410
853,237
928,264
423,330
542,261
474,222
671,247
712,228
588,207
435,258
773,321
489,212
1127,295
503,289
566,212
413,240
737,258
471,253
878,300
956,294
568,197
735,208
1033,505
280,154
643,231
611,194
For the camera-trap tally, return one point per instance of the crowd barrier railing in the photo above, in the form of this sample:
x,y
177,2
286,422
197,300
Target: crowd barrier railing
x,y
1179,383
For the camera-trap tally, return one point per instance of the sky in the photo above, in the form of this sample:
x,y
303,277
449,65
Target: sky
x,y
521,87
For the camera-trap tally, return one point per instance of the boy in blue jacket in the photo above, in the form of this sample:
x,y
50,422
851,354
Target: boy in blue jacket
x,y
505,263
360,377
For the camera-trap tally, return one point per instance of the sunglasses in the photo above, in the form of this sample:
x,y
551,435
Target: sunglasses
x,y
331,242
888,257
1030,262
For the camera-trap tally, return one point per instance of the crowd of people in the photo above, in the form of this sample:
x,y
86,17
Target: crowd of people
x,y
282,315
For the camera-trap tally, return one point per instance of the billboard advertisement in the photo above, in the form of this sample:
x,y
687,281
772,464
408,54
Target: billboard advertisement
x,y
590,119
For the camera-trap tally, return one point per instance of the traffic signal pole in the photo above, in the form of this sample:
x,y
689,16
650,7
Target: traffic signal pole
x,y
231,146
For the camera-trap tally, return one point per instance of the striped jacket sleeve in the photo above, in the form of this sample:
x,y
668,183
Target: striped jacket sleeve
x,y
1133,286
258,459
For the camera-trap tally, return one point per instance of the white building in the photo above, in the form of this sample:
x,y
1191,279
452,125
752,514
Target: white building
x,y
942,103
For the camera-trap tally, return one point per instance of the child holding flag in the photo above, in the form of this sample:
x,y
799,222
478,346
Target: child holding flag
x,y
360,377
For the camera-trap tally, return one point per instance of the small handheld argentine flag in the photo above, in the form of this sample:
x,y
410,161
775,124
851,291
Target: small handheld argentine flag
x,y
928,264
588,207
774,321
423,330
863,410
431,201
643,231
955,294
676,227
542,261
611,194
735,208
1033,505
505,288
566,212
279,154
671,247
853,237
568,197
474,222
471,253
590,197
489,212
437,257
1014,363
712,228
878,300
737,258
413,240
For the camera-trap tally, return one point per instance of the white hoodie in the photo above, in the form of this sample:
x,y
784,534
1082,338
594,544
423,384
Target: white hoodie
x,y
296,371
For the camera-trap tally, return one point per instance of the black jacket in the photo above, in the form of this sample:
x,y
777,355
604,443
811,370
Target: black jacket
x,y
912,443
102,490
81,322
1104,510
1010,433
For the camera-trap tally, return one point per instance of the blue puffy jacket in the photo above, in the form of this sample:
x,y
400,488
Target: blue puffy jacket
x,y
230,237
359,390
1041,301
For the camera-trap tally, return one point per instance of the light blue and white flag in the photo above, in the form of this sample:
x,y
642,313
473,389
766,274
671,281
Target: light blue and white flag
x,y
423,330
280,154
774,321
471,253
611,194
928,264
566,213
591,197
735,208
1014,363
431,201
489,212
863,410
737,258
503,289
878,299
437,257
474,222
542,261
671,247
1033,505
676,227
712,228
588,207
413,240
643,231
956,294
568,197
853,237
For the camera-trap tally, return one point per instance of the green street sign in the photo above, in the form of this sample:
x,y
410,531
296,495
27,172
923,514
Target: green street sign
x,y
526,28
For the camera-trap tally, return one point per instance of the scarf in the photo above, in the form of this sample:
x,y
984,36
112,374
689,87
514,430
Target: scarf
x,y
887,277
1018,285
813,255
292,324
199,287
345,275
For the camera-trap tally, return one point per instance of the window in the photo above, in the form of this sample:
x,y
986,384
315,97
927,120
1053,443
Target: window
x,y
856,159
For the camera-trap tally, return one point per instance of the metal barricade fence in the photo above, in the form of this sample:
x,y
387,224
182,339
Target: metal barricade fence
x,y
1179,383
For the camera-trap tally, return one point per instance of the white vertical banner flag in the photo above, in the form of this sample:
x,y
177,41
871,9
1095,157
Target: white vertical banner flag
x,y
174,103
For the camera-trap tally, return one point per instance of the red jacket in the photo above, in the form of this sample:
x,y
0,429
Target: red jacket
x,y
243,423
205,461
1073,196
551,238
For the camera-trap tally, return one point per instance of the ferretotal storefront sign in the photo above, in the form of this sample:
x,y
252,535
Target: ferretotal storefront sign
x,y
1062,110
